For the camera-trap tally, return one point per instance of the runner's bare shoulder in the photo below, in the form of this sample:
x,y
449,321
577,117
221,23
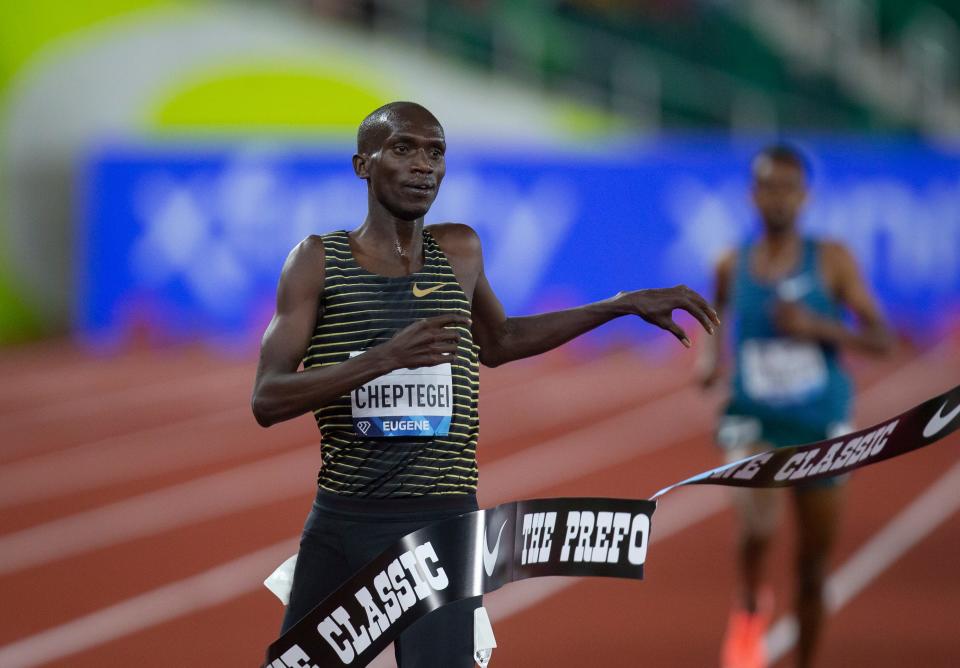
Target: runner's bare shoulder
x,y
305,265
838,265
459,242
725,265
835,254
456,237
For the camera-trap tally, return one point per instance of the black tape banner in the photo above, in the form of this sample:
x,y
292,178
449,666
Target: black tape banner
x,y
466,556
783,467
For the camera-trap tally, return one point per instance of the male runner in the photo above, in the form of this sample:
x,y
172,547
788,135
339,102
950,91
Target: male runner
x,y
787,293
390,322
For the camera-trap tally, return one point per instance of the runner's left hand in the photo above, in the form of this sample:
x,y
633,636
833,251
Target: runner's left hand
x,y
656,306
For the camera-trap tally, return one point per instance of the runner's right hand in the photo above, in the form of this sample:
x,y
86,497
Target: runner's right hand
x,y
426,342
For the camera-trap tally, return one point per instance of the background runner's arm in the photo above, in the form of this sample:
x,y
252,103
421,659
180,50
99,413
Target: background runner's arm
x,y
845,281
281,392
502,339
710,365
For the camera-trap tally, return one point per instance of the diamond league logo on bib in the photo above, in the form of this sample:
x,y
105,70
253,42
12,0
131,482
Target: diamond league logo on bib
x,y
404,402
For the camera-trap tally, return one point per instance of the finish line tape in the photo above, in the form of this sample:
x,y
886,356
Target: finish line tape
x,y
479,552
462,557
787,466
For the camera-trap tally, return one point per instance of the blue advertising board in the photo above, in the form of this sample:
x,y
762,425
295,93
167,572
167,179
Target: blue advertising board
x,y
189,242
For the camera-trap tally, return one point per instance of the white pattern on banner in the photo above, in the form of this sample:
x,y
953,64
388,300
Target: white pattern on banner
x,y
404,402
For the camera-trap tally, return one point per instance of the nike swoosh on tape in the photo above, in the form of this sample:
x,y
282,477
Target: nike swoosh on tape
x,y
939,421
418,292
490,557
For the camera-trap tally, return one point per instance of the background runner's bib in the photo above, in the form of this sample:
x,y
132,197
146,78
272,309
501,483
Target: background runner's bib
x,y
790,384
405,402
781,370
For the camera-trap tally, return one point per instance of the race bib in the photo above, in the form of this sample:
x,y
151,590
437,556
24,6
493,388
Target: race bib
x,y
404,402
781,370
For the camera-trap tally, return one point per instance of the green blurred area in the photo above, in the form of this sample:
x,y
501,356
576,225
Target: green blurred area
x,y
893,16
283,98
26,29
18,321
705,56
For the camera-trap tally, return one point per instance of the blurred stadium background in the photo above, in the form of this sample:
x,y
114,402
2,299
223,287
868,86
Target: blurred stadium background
x,y
158,159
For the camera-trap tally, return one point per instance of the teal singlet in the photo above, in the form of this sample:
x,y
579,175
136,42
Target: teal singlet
x,y
797,390
361,456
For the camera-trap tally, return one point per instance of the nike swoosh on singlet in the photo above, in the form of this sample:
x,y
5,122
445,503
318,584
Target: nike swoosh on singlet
x,y
418,292
792,289
939,421
490,557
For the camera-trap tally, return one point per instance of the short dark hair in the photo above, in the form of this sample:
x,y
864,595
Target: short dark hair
x,y
785,154
379,122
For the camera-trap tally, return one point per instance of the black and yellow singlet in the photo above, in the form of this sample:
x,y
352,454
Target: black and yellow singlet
x,y
360,310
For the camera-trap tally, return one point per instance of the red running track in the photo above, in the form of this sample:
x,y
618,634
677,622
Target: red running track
x,y
141,507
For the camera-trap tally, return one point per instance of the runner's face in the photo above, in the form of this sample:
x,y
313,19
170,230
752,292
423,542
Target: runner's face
x,y
779,193
406,171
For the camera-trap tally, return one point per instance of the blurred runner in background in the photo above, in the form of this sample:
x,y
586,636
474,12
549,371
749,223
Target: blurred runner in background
x,y
785,295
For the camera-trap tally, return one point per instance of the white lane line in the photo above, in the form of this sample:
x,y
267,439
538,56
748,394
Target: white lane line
x,y
90,465
118,520
654,425
918,520
690,506
205,385
199,592
225,493
270,480
51,384
245,574
934,370
141,389
662,423
129,456
605,386
66,370
161,449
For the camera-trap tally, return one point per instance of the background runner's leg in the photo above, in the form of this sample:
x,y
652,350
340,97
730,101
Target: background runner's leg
x,y
758,512
817,513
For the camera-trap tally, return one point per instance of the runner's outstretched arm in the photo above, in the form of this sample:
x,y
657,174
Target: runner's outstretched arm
x,y
503,339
